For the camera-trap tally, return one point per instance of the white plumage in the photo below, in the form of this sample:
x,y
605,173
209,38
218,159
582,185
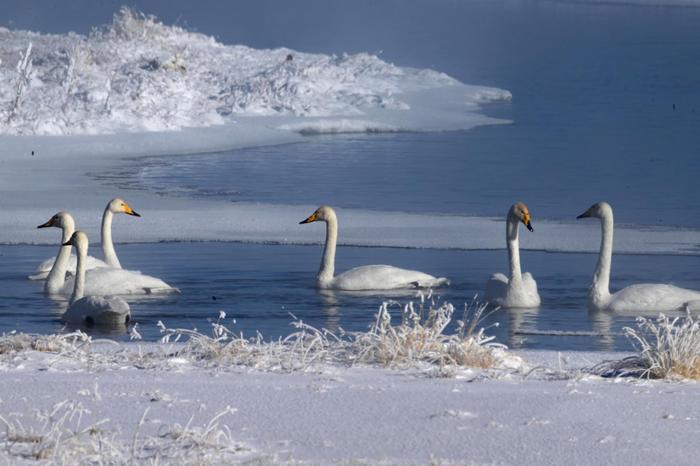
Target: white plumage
x,y
642,298
365,278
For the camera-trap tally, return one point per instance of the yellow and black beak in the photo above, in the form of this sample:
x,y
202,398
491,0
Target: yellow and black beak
x,y
526,221
129,211
312,218
47,224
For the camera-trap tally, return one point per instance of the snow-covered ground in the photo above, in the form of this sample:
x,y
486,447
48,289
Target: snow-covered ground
x,y
83,404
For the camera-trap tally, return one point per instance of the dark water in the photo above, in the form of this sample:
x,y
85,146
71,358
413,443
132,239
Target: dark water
x,y
260,285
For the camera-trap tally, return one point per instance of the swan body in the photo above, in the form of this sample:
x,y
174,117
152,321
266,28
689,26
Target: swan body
x,y
365,278
115,206
92,309
635,298
108,280
520,289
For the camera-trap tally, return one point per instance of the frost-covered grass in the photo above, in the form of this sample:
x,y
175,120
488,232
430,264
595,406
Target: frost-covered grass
x,y
138,74
59,436
668,347
420,340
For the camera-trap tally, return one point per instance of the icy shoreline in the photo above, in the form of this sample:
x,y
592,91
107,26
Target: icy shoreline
x,y
139,75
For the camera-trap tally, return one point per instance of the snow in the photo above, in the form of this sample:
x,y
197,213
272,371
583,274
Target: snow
x,y
362,414
137,74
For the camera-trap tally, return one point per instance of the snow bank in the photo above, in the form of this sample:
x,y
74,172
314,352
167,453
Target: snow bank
x,y
137,74
110,404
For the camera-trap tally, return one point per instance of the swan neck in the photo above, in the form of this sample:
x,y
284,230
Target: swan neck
x,y
79,287
513,248
107,245
327,270
601,279
57,275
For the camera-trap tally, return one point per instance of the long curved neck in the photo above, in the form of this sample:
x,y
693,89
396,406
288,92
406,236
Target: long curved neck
x,y
513,248
79,287
600,289
57,275
327,270
107,245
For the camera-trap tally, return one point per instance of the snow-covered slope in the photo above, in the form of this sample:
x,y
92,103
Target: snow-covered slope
x,y
137,74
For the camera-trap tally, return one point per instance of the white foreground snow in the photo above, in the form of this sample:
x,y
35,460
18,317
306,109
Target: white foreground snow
x,y
555,414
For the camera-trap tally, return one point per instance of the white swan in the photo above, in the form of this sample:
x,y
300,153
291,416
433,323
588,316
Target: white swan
x,y
520,290
115,206
366,278
56,277
634,298
92,309
104,281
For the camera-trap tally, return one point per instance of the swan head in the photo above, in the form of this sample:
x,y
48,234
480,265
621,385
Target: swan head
x,y
597,210
323,213
520,212
62,220
119,206
79,241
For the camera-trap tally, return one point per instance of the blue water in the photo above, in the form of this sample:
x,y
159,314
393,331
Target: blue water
x,y
606,106
260,285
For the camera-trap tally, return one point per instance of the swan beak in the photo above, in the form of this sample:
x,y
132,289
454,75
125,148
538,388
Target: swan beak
x,y
586,214
47,224
526,221
529,226
67,243
312,218
129,211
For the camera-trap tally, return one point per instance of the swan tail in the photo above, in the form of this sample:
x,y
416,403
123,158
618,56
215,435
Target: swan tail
x,y
433,283
38,276
161,290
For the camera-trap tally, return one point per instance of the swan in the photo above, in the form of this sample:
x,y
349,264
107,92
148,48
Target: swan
x,y
634,298
115,206
104,281
520,289
56,276
366,278
92,309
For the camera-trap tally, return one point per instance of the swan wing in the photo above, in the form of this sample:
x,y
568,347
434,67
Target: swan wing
x,y
496,288
110,281
653,298
384,277
502,292
98,310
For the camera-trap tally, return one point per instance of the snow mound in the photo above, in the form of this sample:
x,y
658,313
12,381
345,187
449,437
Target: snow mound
x,y
137,74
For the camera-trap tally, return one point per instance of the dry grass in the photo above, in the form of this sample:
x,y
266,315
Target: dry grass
x,y
667,348
421,339
61,439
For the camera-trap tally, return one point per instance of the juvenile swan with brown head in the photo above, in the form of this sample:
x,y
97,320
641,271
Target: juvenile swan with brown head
x,y
520,289
635,298
368,277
